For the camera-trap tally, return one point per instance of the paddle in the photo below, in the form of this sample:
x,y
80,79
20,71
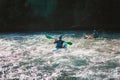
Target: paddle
x,y
70,43
50,37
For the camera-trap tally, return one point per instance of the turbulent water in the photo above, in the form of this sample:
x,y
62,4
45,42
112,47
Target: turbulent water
x,y
30,56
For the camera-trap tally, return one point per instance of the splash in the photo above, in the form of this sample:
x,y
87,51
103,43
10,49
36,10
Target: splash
x,y
30,56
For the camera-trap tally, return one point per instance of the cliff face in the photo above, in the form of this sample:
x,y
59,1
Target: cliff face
x,y
17,15
13,14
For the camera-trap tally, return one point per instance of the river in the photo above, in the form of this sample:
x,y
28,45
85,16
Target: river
x,y
30,56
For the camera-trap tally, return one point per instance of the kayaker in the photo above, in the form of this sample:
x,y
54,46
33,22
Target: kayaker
x,y
60,43
95,34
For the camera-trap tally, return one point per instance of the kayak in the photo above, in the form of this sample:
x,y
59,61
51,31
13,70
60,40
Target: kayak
x,y
59,50
99,38
91,37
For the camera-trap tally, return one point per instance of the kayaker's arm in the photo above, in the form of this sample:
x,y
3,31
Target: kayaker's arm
x,y
55,40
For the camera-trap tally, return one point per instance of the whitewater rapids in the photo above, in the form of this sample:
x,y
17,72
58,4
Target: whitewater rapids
x,y
29,56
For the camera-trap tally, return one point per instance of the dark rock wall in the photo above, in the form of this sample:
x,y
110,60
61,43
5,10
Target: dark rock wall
x,y
32,15
13,14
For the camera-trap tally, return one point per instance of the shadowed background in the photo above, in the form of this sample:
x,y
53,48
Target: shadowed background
x,y
39,15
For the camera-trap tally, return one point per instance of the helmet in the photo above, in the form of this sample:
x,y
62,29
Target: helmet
x,y
94,30
60,37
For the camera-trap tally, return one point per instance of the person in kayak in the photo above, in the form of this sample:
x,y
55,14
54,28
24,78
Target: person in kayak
x,y
95,34
60,43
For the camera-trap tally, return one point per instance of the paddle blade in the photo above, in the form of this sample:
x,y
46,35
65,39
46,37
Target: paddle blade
x,y
99,38
49,37
70,43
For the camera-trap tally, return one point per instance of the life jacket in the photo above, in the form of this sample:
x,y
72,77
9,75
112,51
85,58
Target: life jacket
x,y
59,44
96,35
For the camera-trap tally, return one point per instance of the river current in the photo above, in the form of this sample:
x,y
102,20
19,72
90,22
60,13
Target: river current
x,y
30,56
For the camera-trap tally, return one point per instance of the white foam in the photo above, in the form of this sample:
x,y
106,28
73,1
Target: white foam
x,y
85,58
